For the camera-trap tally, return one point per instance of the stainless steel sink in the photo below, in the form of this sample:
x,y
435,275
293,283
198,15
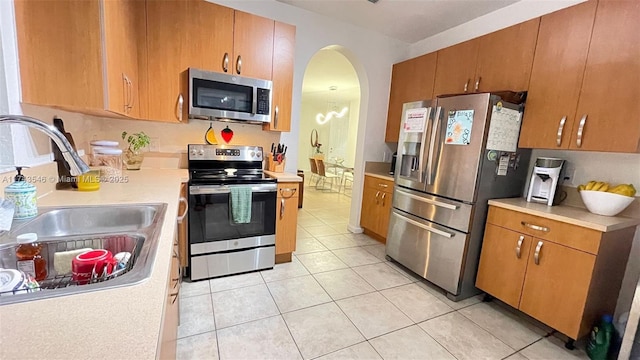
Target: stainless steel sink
x,y
131,228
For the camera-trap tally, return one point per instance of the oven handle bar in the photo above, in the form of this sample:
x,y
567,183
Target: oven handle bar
x,y
226,189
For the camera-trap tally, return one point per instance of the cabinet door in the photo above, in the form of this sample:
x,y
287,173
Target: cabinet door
x,y
386,198
505,58
182,34
286,218
171,317
411,80
284,39
503,263
60,50
252,45
608,107
556,286
121,35
557,76
456,68
370,209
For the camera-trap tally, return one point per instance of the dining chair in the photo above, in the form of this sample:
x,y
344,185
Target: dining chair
x,y
347,176
314,171
324,176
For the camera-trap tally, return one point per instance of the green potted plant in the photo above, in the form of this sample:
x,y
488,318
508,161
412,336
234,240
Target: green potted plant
x,y
133,156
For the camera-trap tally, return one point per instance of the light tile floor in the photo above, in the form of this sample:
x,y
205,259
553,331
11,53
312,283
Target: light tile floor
x,y
341,299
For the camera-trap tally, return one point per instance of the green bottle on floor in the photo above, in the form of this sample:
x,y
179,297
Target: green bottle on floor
x,y
600,339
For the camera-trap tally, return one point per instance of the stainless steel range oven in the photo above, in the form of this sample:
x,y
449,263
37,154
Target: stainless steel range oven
x,y
219,244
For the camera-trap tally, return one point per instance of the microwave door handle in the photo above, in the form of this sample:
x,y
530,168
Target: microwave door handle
x,y
434,133
422,145
254,102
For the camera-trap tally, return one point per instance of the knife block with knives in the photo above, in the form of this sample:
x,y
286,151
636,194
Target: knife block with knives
x,y
277,157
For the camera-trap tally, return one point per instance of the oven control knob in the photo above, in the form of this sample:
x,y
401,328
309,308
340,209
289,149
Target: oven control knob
x,y
201,152
259,154
252,154
194,152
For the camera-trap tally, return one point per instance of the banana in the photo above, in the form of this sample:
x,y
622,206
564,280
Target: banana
x,y
597,186
604,187
589,185
623,189
580,188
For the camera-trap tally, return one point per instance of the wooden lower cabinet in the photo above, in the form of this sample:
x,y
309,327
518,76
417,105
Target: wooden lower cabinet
x,y
171,318
556,281
502,265
286,221
377,197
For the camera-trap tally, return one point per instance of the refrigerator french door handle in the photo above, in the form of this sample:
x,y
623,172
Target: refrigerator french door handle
x,y
424,227
422,145
434,134
428,201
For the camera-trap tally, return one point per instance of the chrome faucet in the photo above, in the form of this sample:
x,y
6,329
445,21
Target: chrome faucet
x,y
76,165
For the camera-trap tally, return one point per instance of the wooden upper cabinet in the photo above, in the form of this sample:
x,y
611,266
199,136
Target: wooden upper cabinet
x,y
505,58
411,80
608,109
180,35
60,61
122,37
252,45
556,77
456,68
284,39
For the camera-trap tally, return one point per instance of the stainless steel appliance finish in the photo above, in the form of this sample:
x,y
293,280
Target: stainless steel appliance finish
x,y
217,96
217,245
443,183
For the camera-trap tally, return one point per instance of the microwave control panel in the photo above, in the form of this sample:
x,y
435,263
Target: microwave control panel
x,y
263,101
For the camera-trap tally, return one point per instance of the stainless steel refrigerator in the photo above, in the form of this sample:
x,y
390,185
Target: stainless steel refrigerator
x,y
454,153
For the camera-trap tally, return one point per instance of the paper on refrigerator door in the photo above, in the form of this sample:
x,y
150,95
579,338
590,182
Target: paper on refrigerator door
x,y
459,125
415,120
504,130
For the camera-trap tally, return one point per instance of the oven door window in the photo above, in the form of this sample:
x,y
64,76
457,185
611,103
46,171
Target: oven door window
x,y
210,217
222,96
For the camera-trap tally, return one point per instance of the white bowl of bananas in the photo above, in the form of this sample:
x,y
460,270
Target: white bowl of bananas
x,y
602,199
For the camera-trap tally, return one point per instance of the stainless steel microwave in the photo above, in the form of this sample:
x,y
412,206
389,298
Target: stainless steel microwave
x,y
216,96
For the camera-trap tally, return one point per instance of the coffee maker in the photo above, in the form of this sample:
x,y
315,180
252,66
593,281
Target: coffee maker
x,y
546,177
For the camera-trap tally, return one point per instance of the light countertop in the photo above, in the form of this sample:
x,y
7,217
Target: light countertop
x,y
569,214
384,176
121,322
283,177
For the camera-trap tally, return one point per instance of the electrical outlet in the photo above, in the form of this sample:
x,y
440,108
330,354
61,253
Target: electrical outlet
x,y
570,176
154,146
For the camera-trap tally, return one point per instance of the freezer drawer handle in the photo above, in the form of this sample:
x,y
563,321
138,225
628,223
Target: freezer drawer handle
x,y
424,227
429,201
536,255
535,227
519,247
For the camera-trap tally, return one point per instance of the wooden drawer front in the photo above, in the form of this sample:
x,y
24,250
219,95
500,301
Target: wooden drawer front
x,y
562,233
379,184
288,190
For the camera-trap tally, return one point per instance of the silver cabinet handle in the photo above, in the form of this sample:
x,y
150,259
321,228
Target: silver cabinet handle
x,y
239,65
383,185
291,190
125,82
175,254
275,117
478,83
581,130
131,100
175,297
282,202
186,210
383,196
560,129
424,227
466,85
535,227
519,246
179,107
377,194
428,201
536,255
225,62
